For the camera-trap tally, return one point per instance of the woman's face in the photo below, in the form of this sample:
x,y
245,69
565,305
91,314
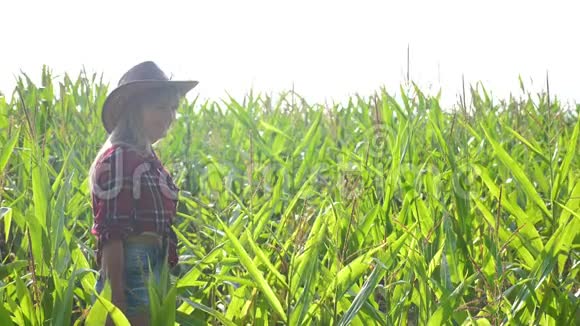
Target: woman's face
x,y
158,116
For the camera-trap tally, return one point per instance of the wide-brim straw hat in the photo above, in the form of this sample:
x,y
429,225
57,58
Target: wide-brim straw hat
x,y
146,76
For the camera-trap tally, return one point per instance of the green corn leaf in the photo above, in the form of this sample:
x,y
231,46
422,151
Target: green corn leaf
x,y
446,307
6,216
571,154
167,311
7,150
10,268
212,312
571,211
263,259
254,272
309,135
274,129
532,239
292,204
56,237
518,173
26,303
304,269
504,235
366,291
103,307
527,143
62,310
5,316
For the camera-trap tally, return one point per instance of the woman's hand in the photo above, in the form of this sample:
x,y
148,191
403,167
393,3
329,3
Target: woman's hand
x,y
113,266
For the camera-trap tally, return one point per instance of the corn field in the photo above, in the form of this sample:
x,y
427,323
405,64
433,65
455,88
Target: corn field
x,y
385,210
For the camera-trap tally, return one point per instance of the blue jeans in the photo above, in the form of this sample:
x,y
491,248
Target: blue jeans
x,y
138,257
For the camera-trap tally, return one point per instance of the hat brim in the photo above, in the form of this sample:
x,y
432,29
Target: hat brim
x,y
113,106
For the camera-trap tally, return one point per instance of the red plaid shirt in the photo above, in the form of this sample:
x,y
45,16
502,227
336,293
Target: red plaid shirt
x,y
131,194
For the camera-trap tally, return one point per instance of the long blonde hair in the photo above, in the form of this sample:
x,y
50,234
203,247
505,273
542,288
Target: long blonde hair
x,y
129,131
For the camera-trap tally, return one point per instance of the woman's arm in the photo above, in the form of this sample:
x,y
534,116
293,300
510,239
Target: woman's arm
x,y
112,262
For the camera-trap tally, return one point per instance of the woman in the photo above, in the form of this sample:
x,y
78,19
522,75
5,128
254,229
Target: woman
x,y
133,197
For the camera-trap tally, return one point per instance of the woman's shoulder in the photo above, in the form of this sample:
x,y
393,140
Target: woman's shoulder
x,y
123,155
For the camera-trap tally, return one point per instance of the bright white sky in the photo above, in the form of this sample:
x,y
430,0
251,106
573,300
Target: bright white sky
x,y
327,49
